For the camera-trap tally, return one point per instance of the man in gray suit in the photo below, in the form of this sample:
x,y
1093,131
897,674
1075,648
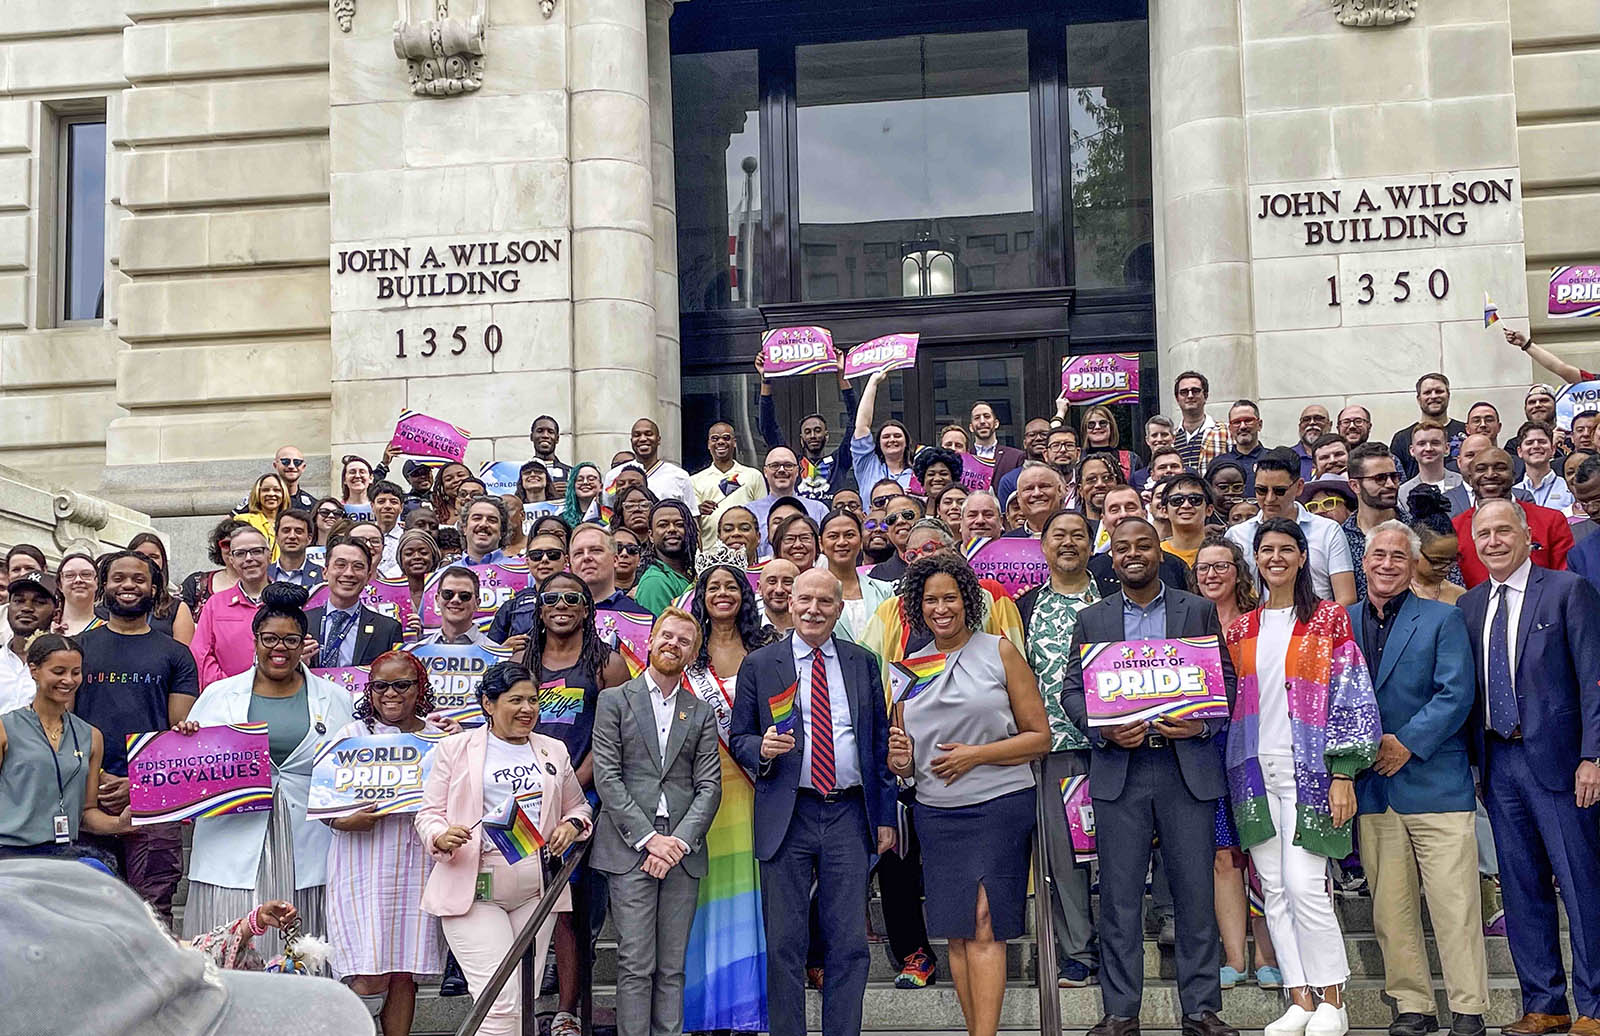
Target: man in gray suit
x,y
660,782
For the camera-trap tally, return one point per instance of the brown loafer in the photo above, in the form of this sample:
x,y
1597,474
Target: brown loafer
x,y
1586,1026
1535,1024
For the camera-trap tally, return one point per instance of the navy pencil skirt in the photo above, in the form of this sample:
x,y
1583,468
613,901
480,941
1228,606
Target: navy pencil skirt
x,y
986,844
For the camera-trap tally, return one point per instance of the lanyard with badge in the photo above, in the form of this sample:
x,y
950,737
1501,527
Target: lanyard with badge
x,y
62,825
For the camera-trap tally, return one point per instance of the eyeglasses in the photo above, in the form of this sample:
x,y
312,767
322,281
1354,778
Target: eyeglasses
x,y
446,596
780,465
1186,499
1191,392
547,554
551,598
1440,562
913,553
1323,506
1097,424
243,553
292,641
1382,478
908,515
880,502
293,462
1273,491
873,525
400,686
633,549
1208,567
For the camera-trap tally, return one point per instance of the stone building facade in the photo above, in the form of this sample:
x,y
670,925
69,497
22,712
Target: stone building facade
x,y
318,215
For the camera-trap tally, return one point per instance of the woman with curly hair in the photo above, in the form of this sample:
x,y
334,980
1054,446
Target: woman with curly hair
x,y
572,664
966,729
937,468
1304,723
377,868
728,937
198,587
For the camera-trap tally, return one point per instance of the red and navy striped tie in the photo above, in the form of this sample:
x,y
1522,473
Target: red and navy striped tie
x,y
823,777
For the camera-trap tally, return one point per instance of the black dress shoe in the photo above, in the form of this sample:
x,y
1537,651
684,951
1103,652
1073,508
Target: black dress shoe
x,y
1410,1023
454,982
1206,1023
1115,1025
1467,1025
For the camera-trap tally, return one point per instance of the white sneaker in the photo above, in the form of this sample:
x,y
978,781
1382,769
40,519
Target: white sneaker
x,y
564,1024
1328,1021
1293,1022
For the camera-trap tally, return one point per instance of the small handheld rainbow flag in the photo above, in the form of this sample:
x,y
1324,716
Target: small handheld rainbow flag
x,y
512,831
1491,312
782,706
911,677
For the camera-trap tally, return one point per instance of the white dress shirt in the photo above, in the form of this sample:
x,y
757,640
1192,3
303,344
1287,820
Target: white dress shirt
x,y
846,763
1516,592
661,706
1330,549
17,687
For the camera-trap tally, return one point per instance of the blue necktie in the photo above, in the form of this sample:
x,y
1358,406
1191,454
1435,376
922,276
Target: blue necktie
x,y
1504,716
339,624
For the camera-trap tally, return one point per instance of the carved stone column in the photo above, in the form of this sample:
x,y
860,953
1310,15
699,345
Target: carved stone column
x,y
1203,302
613,224
664,219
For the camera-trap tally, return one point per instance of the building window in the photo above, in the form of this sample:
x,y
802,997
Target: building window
x,y
920,140
81,217
1108,114
717,156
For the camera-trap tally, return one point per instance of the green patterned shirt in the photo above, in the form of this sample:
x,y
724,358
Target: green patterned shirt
x,y
1055,616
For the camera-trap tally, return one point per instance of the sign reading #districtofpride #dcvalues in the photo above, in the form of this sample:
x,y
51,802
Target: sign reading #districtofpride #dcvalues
x,y
888,353
418,435
212,772
1103,378
790,351
1575,292
1132,680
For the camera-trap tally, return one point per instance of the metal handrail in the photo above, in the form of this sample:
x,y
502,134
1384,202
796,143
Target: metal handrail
x,y
521,952
1043,922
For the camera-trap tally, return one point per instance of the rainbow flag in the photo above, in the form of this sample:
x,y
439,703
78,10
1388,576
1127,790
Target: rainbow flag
x,y
782,706
911,677
636,665
512,831
1491,312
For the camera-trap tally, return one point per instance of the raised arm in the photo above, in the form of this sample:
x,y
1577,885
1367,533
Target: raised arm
x,y
767,410
867,406
1568,373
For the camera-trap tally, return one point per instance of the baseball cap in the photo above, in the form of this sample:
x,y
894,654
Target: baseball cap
x,y
411,467
43,580
83,953
1541,389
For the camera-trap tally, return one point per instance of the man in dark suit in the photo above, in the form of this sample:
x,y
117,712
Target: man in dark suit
x,y
984,424
657,773
345,631
1150,779
1125,502
809,721
1417,807
1535,637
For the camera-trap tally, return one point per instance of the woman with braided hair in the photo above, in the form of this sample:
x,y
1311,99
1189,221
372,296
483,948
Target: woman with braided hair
x,y
572,664
376,866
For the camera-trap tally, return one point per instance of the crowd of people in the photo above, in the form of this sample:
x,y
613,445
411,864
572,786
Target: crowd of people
x,y
830,694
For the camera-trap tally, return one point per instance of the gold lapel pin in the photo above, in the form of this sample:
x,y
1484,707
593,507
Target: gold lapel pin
x,y
683,715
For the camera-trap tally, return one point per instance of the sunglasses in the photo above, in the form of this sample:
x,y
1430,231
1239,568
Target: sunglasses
x,y
1273,491
1323,506
550,598
326,513
292,462
547,554
880,502
1440,562
633,549
873,525
1186,499
446,596
908,515
1382,478
402,686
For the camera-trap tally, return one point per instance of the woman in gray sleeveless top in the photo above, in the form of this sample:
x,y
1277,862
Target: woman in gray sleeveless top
x,y
50,762
966,723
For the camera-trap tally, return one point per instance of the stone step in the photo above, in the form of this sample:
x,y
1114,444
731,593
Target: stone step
x,y
933,1010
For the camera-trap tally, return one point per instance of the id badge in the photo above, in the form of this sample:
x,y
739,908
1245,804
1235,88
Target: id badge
x,y
63,829
483,890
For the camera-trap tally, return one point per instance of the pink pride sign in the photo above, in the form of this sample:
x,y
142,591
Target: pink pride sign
x,y
1574,292
790,351
418,435
352,678
632,630
1104,378
1015,563
497,584
976,473
210,773
888,353
1080,817
1132,680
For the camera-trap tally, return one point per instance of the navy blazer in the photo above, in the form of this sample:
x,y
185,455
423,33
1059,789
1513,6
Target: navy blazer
x,y
1557,677
1425,691
374,632
1584,559
1188,615
770,671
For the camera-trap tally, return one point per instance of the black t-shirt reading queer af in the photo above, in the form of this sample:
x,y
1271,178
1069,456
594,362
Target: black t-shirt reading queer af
x,y
126,680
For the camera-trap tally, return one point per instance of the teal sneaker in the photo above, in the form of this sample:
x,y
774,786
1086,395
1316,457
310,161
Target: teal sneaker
x,y
1231,977
1269,978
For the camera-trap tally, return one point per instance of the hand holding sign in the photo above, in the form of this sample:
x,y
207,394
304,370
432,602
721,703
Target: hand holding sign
x,y
888,353
1102,378
418,435
790,351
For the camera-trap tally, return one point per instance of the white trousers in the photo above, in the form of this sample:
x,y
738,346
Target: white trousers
x,y
1294,883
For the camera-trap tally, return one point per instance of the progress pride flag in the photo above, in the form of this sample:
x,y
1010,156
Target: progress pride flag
x,y
418,435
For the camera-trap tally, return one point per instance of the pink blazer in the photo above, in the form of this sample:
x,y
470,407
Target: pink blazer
x,y
453,796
